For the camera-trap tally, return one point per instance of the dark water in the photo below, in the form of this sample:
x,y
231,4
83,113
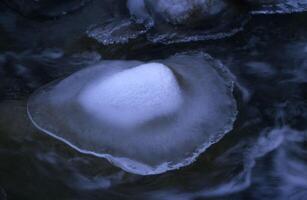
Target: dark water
x,y
264,157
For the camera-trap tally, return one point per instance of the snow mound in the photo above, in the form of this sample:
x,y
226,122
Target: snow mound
x,y
134,95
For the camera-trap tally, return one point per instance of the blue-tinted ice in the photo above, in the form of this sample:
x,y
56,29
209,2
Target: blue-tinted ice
x,y
197,109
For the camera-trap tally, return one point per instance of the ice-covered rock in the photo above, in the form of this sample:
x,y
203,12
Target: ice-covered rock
x,y
146,118
173,21
138,10
177,12
186,11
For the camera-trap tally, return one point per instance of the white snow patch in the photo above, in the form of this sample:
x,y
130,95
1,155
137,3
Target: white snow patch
x,y
133,96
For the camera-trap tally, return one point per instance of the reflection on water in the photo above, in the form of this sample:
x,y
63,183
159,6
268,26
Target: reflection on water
x,y
264,157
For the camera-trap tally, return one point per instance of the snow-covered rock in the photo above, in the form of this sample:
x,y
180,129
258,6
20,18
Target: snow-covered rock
x,y
177,12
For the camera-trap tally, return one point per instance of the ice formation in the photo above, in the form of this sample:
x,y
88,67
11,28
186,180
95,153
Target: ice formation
x,y
173,21
177,21
146,118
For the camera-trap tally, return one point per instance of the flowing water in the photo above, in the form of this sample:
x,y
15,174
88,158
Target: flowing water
x,y
263,157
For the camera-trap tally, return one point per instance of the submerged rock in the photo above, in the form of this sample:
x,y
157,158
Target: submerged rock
x,y
146,118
